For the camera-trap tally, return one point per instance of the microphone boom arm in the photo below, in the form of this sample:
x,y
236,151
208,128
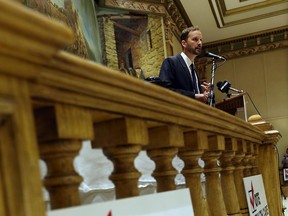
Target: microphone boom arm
x,y
236,90
211,97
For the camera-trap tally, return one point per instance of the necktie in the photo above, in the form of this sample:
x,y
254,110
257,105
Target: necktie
x,y
194,79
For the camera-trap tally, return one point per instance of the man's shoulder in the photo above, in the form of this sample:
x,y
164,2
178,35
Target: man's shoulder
x,y
174,58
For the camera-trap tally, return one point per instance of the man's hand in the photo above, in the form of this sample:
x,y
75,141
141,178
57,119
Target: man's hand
x,y
205,95
202,97
206,86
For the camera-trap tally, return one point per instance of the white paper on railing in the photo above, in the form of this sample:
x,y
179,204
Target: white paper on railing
x,y
255,195
170,203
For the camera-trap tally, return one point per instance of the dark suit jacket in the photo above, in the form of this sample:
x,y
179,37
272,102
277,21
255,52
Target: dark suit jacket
x,y
175,71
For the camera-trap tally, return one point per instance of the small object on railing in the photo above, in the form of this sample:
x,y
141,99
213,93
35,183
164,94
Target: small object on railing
x,y
158,81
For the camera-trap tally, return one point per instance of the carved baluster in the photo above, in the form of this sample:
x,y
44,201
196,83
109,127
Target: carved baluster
x,y
227,177
122,140
254,160
251,157
247,160
125,176
163,147
216,145
195,144
60,131
239,175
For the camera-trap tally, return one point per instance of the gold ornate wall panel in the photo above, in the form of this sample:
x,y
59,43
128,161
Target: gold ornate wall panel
x,y
178,14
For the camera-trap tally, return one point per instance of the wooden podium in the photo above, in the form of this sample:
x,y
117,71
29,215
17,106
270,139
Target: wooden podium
x,y
233,104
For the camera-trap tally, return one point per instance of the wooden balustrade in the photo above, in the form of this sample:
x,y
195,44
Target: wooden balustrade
x,y
227,177
196,142
239,175
60,132
215,198
268,164
163,147
122,140
50,101
255,169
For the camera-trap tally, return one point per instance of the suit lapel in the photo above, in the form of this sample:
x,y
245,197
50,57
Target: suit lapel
x,y
185,69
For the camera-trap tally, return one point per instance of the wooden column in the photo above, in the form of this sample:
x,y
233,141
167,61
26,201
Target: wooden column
x,y
227,177
247,161
195,144
269,171
20,180
25,47
254,160
239,175
216,144
60,131
122,140
163,147
268,164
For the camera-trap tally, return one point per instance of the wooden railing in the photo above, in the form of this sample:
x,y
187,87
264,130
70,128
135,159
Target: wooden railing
x,y
50,101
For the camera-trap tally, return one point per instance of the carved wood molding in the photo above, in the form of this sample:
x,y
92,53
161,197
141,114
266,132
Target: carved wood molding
x,y
171,10
177,14
251,44
256,49
244,46
136,6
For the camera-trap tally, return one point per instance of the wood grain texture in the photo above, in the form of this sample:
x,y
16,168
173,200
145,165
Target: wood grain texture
x,y
19,151
29,39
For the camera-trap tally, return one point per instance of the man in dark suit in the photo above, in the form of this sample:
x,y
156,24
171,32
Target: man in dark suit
x,y
179,71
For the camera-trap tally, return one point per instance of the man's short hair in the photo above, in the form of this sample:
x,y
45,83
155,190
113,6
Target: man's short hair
x,y
185,32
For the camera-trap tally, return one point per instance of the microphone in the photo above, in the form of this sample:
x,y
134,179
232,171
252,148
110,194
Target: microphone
x,y
225,86
212,55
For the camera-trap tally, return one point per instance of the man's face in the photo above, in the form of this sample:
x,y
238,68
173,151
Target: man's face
x,y
193,44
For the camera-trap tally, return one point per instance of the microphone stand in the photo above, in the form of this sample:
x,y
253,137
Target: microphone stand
x,y
211,97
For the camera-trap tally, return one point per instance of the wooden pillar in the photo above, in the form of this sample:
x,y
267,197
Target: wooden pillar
x,y
163,147
195,144
254,160
227,177
268,164
269,171
60,131
20,180
216,144
247,160
25,50
122,140
239,175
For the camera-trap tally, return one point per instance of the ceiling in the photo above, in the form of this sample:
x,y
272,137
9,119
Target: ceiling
x,y
220,20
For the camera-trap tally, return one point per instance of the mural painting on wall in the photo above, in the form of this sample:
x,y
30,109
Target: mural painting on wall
x,y
80,16
133,43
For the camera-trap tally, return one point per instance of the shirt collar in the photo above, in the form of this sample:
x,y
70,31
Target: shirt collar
x,y
186,59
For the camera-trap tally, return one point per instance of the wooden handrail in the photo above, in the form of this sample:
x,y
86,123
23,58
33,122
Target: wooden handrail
x,y
126,95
